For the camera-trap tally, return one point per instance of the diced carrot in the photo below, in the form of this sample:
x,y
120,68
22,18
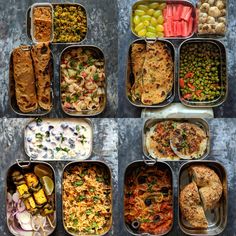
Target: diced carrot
x,y
198,93
181,83
187,96
187,15
191,86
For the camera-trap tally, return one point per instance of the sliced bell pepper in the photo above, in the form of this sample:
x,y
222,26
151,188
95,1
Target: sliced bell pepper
x,y
187,96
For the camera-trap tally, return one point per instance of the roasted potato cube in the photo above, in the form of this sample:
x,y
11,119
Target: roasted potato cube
x,y
31,180
22,189
40,197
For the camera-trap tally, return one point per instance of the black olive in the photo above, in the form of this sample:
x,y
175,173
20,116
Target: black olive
x,y
142,179
148,202
164,190
135,224
131,77
157,218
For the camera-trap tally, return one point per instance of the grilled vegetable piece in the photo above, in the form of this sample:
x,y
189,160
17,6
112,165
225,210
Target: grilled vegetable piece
x,y
40,197
23,190
31,180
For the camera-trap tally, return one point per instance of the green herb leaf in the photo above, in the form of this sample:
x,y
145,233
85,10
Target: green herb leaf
x,y
68,99
77,128
78,183
95,77
39,136
88,212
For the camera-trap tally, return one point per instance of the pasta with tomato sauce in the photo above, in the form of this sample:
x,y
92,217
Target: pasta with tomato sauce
x,y
148,200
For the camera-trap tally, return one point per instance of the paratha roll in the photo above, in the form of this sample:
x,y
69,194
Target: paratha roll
x,y
24,80
41,55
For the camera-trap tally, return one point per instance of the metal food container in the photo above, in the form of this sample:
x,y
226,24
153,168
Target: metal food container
x,y
32,23
184,2
31,145
28,21
12,93
223,75
151,122
135,167
217,218
26,167
130,76
101,165
99,54
213,24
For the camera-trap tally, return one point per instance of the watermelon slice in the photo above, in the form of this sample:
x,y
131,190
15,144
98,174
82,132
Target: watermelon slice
x,y
176,16
179,29
185,10
184,26
187,15
169,10
190,26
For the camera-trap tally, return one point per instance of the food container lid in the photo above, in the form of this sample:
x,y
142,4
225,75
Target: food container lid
x,y
32,23
58,139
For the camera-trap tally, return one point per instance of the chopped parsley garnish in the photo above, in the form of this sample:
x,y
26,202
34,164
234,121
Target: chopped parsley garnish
x,y
100,179
75,222
39,136
80,68
77,128
40,146
81,198
62,149
62,138
89,212
68,99
78,183
38,120
146,220
90,61
95,77
96,198
174,125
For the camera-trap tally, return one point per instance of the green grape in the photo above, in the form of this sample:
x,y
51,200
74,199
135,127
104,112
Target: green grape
x,y
136,20
151,29
162,6
142,7
142,32
146,23
160,19
150,12
157,13
154,5
153,21
139,27
160,34
145,17
159,28
139,12
150,35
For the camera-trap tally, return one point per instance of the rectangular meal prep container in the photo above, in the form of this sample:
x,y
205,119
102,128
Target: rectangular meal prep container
x,y
129,75
151,122
11,88
28,165
135,165
212,35
35,5
51,121
28,22
108,170
217,218
184,2
100,54
223,75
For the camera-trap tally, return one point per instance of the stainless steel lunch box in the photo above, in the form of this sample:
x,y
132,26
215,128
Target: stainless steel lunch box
x,y
51,120
11,88
28,21
151,122
130,168
223,75
184,2
100,54
28,165
130,78
217,218
98,163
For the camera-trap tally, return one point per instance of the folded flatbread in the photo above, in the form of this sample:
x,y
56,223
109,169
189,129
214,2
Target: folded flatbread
x,y
41,55
24,80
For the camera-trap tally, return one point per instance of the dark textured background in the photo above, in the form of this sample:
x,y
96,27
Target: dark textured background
x,y
223,143
228,109
102,32
11,143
